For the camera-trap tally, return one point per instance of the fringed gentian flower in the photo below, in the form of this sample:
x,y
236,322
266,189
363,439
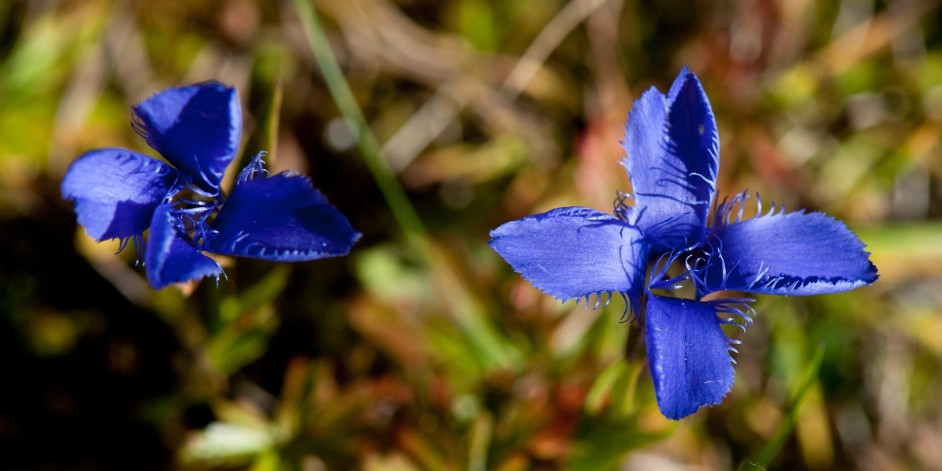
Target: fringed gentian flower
x,y
672,150
119,194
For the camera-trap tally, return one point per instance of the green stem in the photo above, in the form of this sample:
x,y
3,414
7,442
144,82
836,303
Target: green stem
x,y
774,446
467,313
392,191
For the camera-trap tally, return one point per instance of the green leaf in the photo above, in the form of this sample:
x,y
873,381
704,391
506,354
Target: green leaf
x,y
604,441
244,324
226,442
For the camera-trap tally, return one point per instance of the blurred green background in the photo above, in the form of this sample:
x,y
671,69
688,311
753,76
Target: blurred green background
x,y
422,349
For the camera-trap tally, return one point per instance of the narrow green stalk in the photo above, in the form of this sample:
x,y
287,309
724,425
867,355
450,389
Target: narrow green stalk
x,y
392,191
774,446
467,313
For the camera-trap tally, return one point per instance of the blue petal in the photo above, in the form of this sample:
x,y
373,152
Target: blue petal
x,y
672,148
789,254
116,190
280,218
196,128
171,256
688,353
574,252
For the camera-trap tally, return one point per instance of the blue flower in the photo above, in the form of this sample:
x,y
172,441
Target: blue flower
x,y
120,193
672,148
